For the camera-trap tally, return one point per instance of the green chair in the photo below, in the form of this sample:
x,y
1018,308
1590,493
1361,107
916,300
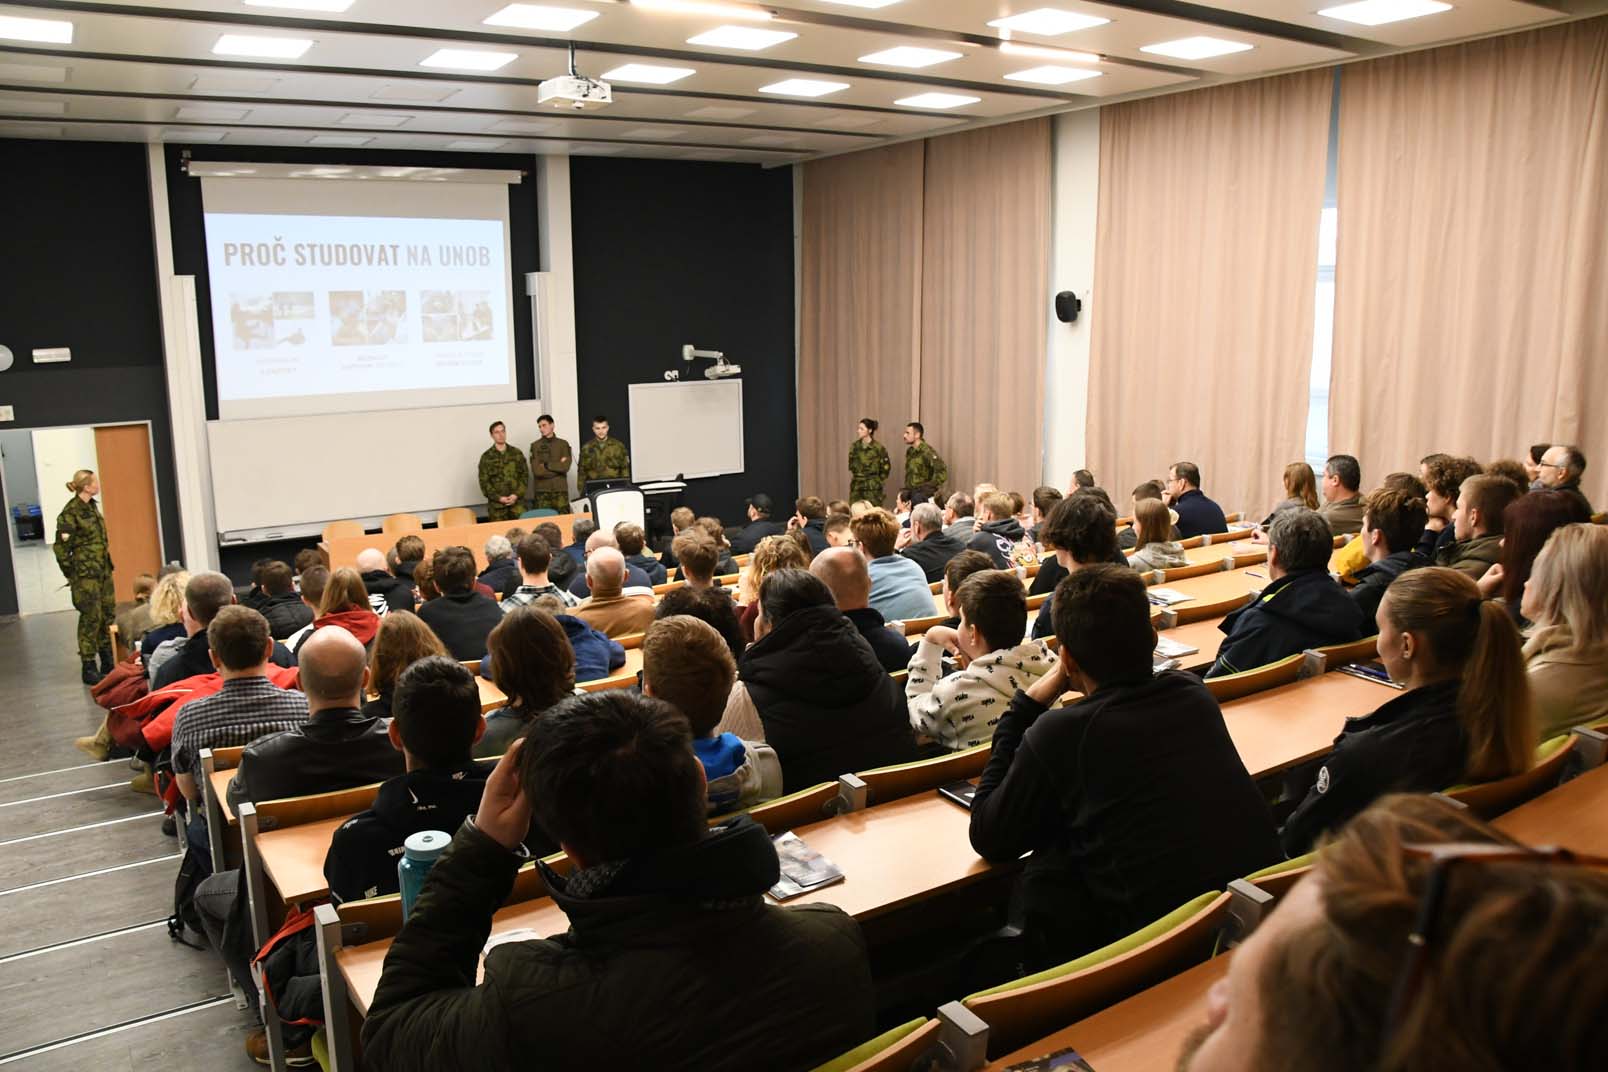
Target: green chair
x,y
1490,799
892,1051
545,511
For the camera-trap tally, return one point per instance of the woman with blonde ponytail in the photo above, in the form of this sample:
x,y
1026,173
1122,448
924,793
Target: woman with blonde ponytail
x,y
1466,714
81,552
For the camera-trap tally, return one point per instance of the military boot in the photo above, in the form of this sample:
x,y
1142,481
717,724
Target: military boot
x,y
91,676
105,661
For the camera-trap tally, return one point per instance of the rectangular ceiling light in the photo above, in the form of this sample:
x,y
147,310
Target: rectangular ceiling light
x,y
339,141
263,48
303,5
541,17
476,145
27,72
910,56
1379,12
1047,22
1053,76
803,87
648,73
50,31
704,7
937,100
373,119
1196,48
468,59
205,114
747,38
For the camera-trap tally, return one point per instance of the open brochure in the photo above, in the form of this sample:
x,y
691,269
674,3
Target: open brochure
x,y
1166,597
1168,648
1067,1060
803,869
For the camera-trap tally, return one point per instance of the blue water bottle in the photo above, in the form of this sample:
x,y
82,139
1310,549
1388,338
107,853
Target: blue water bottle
x,y
419,854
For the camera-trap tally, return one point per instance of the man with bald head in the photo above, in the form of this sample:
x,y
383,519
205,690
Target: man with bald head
x,y
634,577
843,571
387,592
205,595
611,609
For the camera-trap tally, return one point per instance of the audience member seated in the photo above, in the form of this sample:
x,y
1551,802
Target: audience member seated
x,y
435,725
631,543
998,532
610,609
960,567
1337,975
1443,478
562,569
500,564
812,688
1128,538
709,605
1477,525
1512,469
1197,515
1566,653
424,582
1153,547
205,595
254,596
535,557
386,591
1132,800
409,553
958,520
314,579
581,530
403,639
1342,495
844,573
134,618
809,517
928,546
511,580
1301,607
1560,470
346,604
1083,479
534,666
1082,531
1466,714
962,709
1353,557
672,957
1526,525
681,519
635,578
688,665
904,501
461,616
282,606
1392,521
167,614
727,566
838,531
698,556
899,587
1300,490
1044,500
772,554
745,541
338,746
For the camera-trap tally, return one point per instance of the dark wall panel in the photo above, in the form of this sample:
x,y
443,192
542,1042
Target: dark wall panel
x,y
669,252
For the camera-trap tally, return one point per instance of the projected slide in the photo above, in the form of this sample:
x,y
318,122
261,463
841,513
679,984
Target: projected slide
x,y
306,305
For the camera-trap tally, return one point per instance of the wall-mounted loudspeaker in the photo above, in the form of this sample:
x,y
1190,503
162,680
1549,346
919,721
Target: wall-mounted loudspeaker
x,y
1067,307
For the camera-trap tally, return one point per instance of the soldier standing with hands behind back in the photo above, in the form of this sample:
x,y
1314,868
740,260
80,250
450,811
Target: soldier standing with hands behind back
x,y
81,552
504,477
604,458
924,469
549,463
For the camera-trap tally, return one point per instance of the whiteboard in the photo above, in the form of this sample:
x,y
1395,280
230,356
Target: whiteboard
x,y
690,429
285,471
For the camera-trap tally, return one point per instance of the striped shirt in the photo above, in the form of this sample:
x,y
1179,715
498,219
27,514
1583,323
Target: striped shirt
x,y
243,710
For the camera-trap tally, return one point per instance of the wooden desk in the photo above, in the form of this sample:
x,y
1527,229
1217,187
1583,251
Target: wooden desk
x,y
491,697
1211,587
1203,635
219,788
1216,552
293,858
1574,815
1287,726
1142,1034
344,550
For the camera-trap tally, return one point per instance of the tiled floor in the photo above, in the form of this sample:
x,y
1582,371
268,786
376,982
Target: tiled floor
x,y
40,586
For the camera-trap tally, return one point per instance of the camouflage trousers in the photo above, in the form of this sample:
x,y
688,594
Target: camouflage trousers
x,y
552,500
872,491
96,603
496,511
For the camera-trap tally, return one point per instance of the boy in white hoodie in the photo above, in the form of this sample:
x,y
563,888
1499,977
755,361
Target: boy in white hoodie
x,y
961,710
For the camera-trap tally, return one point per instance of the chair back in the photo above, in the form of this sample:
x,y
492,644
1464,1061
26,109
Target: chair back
x,y
1183,573
1281,877
454,516
1322,660
1231,518
1193,541
668,586
298,811
630,640
227,758
540,511
1487,800
1195,611
907,779
917,626
1035,602
401,523
898,1050
119,649
796,809
621,679
340,530
1233,686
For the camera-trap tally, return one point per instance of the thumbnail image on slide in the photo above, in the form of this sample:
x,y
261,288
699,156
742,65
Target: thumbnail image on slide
x,y
357,318
266,321
456,315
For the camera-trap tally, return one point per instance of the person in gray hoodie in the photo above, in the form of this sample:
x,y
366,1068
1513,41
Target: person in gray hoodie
x,y
1154,549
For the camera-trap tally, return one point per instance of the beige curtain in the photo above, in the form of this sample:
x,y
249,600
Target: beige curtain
x,y
859,308
1471,289
984,301
1205,266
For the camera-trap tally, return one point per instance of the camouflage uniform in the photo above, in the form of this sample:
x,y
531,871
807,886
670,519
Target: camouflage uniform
x,y
868,472
503,472
82,554
924,469
549,462
605,459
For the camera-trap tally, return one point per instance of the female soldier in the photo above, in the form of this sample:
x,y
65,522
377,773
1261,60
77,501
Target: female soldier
x,y
82,554
868,464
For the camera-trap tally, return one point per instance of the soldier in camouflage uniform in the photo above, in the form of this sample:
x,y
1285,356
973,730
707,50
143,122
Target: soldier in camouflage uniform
x,y
604,458
82,554
868,465
504,477
924,469
549,463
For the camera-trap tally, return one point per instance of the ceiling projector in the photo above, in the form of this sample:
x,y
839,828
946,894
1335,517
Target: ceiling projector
x,y
574,91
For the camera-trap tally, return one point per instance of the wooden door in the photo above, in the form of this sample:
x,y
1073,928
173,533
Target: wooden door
x,y
128,499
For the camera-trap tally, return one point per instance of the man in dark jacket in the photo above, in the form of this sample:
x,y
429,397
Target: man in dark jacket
x,y
1302,606
843,571
1196,513
1392,520
1477,524
500,564
205,594
283,607
759,526
462,617
337,748
1443,480
631,541
1133,800
436,722
634,577
997,530
387,592
673,959
930,547
1560,470
809,516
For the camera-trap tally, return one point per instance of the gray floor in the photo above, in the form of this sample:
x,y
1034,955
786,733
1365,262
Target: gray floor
x,y
88,977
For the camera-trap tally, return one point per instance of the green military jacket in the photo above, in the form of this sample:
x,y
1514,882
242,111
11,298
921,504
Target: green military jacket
x,y
503,473
869,465
80,547
549,462
924,468
605,459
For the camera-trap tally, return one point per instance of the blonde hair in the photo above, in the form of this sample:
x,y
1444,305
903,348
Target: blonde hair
x,y
80,480
1569,579
345,590
167,602
1300,483
860,506
1154,522
1475,637
772,553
